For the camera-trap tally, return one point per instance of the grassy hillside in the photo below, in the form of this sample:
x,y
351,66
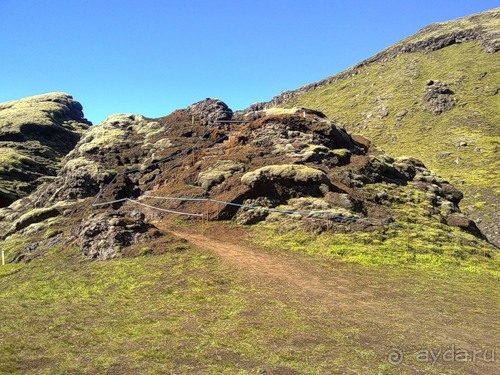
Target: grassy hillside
x,y
384,102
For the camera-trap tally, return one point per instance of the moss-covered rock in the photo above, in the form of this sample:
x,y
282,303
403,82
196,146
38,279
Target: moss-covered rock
x,y
292,172
35,134
222,170
104,235
461,143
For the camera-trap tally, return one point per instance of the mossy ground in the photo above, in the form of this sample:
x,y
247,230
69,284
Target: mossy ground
x,y
189,312
397,86
418,238
416,247
180,312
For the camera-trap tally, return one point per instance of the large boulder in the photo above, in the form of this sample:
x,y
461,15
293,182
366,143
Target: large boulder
x,y
287,180
104,235
464,223
437,97
210,110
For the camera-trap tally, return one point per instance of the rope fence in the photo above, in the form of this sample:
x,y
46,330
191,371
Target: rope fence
x,y
190,152
318,215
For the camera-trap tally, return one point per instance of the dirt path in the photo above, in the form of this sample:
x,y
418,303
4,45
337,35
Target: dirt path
x,y
263,265
383,309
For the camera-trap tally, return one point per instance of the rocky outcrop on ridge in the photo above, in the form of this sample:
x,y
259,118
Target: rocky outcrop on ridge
x,y
437,97
35,134
434,96
477,27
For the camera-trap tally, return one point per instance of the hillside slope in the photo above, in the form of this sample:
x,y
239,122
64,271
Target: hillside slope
x,y
35,134
387,251
434,96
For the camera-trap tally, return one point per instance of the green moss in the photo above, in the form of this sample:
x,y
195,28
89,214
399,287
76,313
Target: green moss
x,y
13,244
151,129
221,171
42,110
52,233
281,111
342,152
94,169
421,247
35,216
11,159
101,137
73,164
180,247
145,251
298,173
162,144
111,132
479,205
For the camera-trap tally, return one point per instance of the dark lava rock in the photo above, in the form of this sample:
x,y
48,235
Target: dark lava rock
x,y
438,98
210,110
250,216
464,223
103,235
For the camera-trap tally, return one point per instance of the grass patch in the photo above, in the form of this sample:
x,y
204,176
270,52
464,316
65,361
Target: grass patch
x,y
172,312
417,247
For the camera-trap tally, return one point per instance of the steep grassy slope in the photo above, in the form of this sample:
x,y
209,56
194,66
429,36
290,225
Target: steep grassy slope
x,y
383,99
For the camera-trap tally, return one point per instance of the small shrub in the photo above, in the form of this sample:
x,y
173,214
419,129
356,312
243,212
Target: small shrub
x,y
479,205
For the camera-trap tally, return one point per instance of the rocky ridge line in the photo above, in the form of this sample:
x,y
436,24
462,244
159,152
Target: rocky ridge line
x,y
489,41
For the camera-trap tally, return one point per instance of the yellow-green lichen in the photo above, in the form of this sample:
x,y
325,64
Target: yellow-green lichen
x,y
221,171
297,173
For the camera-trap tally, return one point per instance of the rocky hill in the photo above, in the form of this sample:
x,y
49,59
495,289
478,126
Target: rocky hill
x,y
293,167
35,134
433,96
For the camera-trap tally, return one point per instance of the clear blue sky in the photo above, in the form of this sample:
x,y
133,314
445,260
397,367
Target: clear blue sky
x,y
151,56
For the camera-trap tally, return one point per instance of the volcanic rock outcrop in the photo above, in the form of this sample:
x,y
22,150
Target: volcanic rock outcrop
x,y
291,165
35,134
